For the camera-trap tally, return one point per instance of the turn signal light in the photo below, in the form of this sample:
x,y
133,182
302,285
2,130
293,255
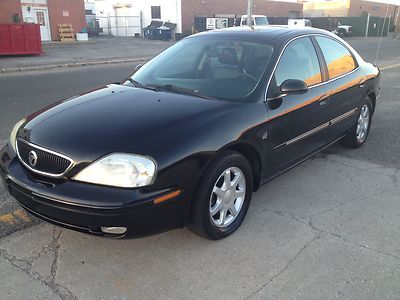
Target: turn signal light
x,y
167,197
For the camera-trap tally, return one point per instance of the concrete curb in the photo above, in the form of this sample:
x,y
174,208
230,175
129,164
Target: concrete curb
x,y
72,65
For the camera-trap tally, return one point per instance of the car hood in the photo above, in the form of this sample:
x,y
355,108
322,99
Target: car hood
x,y
119,118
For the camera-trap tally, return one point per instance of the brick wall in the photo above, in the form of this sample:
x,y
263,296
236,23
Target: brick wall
x,y
8,8
66,12
357,7
192,8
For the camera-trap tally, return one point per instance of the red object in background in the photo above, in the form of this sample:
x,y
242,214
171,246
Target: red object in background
x,y
17,39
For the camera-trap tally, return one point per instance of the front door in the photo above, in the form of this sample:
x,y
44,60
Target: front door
x,y
298,123
42,18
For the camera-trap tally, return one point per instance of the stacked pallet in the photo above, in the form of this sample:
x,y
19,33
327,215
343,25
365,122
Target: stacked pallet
x,y
66,32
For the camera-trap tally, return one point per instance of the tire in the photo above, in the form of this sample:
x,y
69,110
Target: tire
x,y
205,219
355,138
342,33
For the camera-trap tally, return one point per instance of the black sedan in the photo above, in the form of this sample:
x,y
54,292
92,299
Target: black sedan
x,y
191,134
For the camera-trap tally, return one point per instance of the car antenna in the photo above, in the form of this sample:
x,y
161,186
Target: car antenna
x,y
380,37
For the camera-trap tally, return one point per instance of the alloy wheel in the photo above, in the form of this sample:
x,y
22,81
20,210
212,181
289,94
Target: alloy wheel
x,y
227,197
363,124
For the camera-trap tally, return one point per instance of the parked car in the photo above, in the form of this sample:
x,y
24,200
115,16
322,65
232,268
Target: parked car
x,y
256,20
189,137
343,30
299,22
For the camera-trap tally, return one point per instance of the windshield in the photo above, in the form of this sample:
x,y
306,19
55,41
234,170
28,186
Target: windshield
x,y
261,21
227,69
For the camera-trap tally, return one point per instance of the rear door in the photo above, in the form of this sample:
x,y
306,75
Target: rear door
x,y
346,82
297,122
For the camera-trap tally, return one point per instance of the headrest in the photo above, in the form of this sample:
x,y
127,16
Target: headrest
x,y
228,57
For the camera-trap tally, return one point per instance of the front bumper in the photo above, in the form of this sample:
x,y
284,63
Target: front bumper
x,y
87,208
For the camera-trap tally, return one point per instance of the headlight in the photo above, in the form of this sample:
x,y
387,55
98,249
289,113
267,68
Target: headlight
x,y
121,170
13,135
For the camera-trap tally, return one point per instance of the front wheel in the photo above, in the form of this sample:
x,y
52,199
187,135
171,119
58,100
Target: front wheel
x,y
359,133
342,33
223,197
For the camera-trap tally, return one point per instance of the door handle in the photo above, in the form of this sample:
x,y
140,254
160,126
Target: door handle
x,y
323,100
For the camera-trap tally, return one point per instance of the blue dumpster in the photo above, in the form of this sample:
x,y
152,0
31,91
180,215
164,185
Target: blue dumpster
x,y
151,31
165,31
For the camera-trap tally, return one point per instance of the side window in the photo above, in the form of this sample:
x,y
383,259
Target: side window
x,y
299,61
338,58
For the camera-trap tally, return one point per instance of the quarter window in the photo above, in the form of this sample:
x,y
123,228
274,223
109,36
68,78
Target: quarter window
x,y
299,61
338,58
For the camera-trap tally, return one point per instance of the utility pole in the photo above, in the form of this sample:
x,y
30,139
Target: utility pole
x,y
249,13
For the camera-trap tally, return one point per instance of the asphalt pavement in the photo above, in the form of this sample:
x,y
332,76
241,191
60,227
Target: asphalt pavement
x,y
328,229
101,50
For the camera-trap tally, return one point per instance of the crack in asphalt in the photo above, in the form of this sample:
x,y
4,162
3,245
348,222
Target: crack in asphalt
x,y
325,210
329,156
25,265
55,245
352,242
395,178
320,233
291,261
315,228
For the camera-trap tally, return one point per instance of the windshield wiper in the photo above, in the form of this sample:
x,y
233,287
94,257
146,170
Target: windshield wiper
x,y
137,84
179,90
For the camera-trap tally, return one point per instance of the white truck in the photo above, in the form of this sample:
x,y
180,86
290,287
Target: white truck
x,y
299,22
343,30
256,20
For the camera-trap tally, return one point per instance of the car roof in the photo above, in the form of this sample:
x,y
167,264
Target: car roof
x,y
269,32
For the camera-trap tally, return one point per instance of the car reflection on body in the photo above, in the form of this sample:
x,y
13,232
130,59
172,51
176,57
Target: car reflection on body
x,y
193,133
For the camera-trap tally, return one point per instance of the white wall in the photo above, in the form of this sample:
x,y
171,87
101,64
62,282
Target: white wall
x,y
30,16
171,11
90,6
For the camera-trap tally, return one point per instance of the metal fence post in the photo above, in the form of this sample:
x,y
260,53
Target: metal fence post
x,y
141,24
126,26
109,25
367,28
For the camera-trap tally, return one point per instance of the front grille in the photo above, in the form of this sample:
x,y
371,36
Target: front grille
x,y
47,162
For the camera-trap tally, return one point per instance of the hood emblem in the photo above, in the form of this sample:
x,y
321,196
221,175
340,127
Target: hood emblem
x,y
32,157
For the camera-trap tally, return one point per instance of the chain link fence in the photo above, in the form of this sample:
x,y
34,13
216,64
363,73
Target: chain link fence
x,y
125,26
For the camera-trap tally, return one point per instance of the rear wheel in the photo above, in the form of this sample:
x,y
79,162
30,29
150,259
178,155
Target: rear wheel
x,y
359,133
223,197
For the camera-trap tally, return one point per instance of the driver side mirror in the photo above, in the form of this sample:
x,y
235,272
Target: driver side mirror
x,y
294,86
288,87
